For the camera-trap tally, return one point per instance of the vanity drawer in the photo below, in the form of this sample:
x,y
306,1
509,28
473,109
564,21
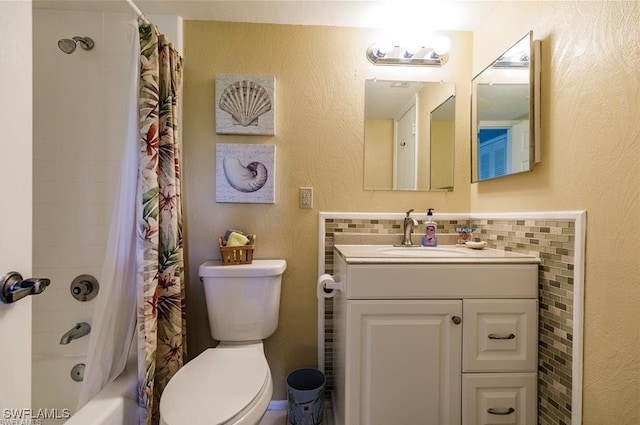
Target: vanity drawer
x,y
500,335
438,281
499,398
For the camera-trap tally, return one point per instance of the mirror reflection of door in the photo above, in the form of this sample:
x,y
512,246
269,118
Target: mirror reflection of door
x,y
390,167
520,147
503,148
493,157
404,167
502,107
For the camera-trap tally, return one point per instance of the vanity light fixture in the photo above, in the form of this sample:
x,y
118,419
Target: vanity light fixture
x,y
437,55
516,57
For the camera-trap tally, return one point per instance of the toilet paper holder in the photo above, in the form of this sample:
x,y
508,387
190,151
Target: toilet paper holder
x,y
327,286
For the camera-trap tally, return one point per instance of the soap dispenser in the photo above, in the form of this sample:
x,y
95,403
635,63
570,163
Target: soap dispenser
x,y
430,239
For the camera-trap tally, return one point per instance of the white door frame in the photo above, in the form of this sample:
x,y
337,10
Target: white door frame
x,y
16,202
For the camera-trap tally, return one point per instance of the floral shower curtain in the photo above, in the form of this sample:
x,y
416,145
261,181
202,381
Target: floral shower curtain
x,y
161,312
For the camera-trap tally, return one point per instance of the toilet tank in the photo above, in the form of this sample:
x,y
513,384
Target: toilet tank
x,y
243,300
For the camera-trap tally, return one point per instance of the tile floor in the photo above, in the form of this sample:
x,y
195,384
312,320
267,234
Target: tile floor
x,y
274,417
279,417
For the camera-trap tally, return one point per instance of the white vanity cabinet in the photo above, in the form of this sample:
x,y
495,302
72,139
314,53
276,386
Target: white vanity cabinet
x,y
435,342
499,361
403,362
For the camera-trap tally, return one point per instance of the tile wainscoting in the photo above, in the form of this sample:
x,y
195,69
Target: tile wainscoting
x,y
556,237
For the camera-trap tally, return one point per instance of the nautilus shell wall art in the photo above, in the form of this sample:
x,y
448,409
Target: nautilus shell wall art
x,y
247,178
245,104
245,173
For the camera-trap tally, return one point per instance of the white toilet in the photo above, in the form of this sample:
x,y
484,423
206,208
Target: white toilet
x,y
229,384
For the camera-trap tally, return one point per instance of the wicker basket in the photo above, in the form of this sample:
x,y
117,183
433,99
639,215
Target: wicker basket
x,y
232,255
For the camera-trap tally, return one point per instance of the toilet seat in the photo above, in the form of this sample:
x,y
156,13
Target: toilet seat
x,y
230,384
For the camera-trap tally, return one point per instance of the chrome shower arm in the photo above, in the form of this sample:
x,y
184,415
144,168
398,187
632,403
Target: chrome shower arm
x,y
85,42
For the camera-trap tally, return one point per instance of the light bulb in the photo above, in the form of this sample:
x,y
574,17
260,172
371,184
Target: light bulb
x,y
442,45
384,48
412,50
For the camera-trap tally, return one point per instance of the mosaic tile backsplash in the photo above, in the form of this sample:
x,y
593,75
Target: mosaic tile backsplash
x,y
553,241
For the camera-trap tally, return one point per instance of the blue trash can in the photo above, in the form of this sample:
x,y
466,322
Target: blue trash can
x,y
305,394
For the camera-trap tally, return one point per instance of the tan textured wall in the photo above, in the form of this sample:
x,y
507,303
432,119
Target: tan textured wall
x,y
590,157
320,73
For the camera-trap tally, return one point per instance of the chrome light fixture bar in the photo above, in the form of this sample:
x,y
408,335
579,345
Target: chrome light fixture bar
x,y
401,55
516,57
519,60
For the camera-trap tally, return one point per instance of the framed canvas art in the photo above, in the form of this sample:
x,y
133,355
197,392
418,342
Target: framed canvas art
x,y
245,173
245,104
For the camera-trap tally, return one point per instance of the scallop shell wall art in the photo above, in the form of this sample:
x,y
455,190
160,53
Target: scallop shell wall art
x,y
245,104
245,173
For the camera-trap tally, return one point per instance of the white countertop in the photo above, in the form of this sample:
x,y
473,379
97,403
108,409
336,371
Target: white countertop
x,y
443,254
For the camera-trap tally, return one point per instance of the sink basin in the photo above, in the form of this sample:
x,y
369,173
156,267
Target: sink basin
x,y
428,252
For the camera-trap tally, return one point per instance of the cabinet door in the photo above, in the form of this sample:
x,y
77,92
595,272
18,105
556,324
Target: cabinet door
x,y
403,362
499,399
500,335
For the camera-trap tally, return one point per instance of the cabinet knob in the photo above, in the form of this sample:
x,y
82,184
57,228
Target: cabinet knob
x,y
456,320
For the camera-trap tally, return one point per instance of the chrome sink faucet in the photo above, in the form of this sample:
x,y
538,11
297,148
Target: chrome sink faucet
x,y
78,331
409,223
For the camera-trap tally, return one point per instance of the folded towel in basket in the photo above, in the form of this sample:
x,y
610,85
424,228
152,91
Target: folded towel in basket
x,y
237,239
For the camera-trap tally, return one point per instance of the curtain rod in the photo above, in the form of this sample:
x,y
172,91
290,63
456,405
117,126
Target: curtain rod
x,y
135,8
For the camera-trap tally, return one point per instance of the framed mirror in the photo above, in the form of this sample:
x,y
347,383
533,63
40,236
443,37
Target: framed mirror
x,y
505,113
409,135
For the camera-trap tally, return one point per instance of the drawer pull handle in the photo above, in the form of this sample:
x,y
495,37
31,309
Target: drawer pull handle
x,y
494,336
508,411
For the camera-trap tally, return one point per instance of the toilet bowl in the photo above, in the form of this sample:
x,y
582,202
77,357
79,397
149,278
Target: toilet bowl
x,y
223,385
230,384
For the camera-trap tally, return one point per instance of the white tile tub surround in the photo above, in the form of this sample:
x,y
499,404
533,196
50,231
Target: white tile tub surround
x,y
79,113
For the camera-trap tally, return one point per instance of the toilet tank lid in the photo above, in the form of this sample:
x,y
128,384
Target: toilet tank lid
x,y
256,268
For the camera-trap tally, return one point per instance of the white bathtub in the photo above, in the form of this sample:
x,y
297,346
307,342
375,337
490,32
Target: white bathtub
x,y
55,391
116,404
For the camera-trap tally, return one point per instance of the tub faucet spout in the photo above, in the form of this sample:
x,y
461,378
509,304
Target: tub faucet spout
x,y
78,331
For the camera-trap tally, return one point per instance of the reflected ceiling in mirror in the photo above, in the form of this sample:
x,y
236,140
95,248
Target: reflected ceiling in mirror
x,y
503,124
409,135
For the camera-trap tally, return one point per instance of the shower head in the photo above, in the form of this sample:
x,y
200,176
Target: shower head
x,y
68,46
